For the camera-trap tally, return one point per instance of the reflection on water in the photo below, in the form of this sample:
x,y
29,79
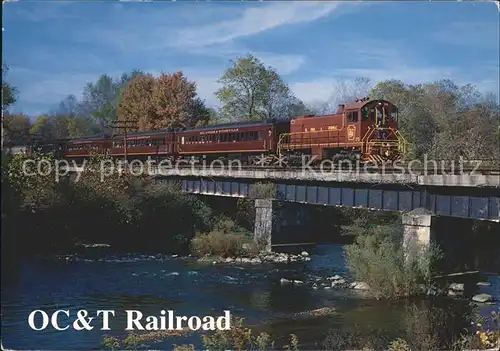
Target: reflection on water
x,y
152,283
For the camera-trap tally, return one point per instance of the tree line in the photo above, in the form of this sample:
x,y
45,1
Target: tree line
x,y
441,119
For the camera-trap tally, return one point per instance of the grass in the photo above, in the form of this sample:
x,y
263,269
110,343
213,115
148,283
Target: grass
x,y
238,338
423,329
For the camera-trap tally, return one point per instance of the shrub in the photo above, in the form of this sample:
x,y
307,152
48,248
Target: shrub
x,y
119,206
240,338
377,258
355,339
226,239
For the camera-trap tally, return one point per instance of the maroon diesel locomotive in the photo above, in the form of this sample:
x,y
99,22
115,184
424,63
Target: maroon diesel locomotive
x,y
368,128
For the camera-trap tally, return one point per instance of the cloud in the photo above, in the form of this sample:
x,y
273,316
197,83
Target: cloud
x,y
284,64
255,20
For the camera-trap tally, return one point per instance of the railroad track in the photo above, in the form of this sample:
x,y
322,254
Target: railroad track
x,y
486,167
415,171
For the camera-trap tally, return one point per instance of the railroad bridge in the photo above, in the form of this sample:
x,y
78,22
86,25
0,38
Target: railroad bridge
x,y
471,196
465,196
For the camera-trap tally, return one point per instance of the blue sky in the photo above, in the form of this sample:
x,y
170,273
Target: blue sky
x,y
55,48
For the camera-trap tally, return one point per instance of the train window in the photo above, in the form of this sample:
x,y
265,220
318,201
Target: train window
x,y
242,136
261,135
372,114
353,116
364,114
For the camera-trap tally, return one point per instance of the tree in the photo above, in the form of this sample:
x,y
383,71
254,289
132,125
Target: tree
x,y
176,102
344,91
215,116
252,91
16,128
42,127
299,109
80,126
136,102
100,99
169,101
443,120
9,96
199,115
9,93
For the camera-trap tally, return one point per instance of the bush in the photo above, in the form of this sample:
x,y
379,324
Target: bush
x,y
377,258
355,339
118,206
226,239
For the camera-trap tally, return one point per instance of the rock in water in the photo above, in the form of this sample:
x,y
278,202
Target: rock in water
x,y
483,284
456,287
359,286
482,298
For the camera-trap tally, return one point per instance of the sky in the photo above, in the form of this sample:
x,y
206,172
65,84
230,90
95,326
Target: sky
x,y
53,48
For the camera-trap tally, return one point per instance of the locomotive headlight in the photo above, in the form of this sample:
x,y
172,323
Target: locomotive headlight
x,y
387,153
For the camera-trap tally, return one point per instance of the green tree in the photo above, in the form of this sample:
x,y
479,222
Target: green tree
x,y
252,91
9,97
9,93
444,120
16,128
41,126
100,99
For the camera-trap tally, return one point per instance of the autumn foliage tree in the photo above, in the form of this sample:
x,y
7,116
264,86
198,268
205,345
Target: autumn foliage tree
x,y
136,102
169,101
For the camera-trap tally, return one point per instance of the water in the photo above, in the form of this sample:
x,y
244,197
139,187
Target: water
x,y
153,283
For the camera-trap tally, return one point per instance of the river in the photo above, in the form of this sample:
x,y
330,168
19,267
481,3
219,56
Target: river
x,y
152,283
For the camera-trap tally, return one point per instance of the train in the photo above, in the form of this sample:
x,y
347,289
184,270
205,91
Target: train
x,y
366,129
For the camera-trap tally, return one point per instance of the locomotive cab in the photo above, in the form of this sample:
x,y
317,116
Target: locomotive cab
x,y
379,124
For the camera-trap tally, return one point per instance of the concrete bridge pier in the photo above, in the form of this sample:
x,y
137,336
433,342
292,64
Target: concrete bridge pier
x,y
263,229
418,233
281,224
